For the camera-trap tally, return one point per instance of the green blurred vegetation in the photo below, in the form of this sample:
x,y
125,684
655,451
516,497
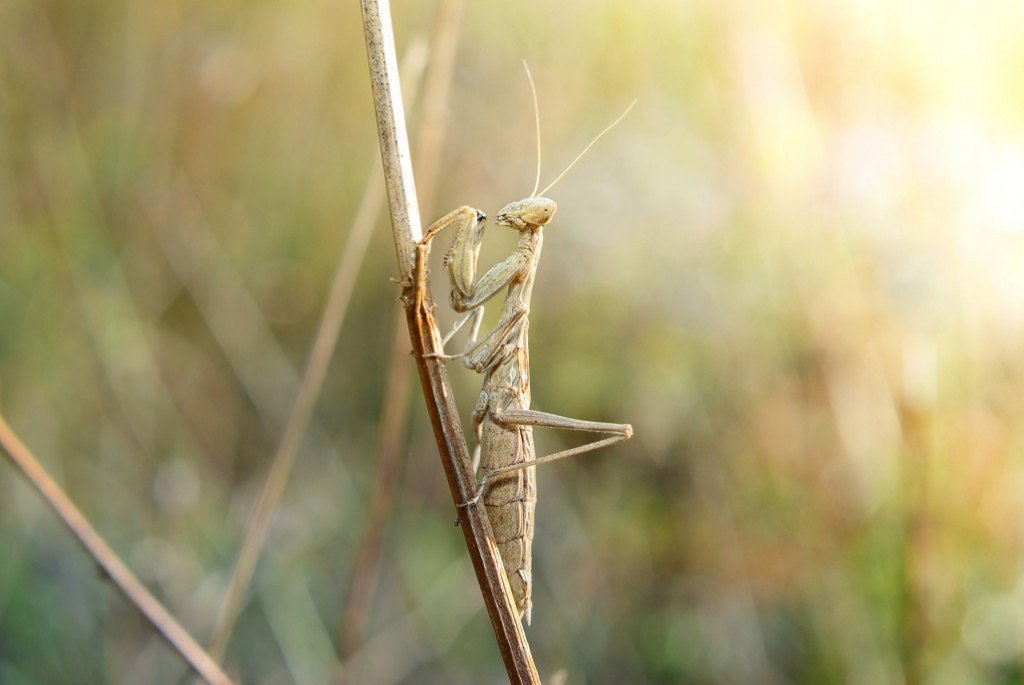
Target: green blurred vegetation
x,y
796,268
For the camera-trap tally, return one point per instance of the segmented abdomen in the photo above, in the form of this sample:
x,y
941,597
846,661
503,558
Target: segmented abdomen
x,y
510,501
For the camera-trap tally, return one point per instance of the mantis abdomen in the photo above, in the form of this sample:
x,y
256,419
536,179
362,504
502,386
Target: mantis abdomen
x,y
510,501
511,497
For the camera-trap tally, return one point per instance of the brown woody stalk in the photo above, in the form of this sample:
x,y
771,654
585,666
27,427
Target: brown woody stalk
x,y
105,557
451,443
430,135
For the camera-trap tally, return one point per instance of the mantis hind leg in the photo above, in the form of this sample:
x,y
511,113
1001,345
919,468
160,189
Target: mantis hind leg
x,y
529,417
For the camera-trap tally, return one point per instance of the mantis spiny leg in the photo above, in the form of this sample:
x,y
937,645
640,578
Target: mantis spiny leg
x,y
460,261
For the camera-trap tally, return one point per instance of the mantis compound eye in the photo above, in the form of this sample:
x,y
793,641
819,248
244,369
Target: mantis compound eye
x,y
539,211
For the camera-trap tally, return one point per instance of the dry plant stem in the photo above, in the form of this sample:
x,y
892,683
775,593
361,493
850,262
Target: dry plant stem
x,y
305,399
130,586
451,442
490,572
430,136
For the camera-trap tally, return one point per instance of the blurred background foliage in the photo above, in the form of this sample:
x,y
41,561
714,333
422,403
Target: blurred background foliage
x,y
797,268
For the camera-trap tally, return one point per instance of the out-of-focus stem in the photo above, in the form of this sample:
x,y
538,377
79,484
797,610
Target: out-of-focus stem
x,y
312,380
106,558
436,95
389,442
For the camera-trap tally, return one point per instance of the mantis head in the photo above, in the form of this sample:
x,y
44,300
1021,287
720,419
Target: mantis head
x,y
533,211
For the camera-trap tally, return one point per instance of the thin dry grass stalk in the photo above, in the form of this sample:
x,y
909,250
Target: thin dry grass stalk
x,y
312,381
451,442
430,137
105,557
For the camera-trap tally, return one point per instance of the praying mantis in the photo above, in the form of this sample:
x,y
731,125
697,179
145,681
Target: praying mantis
x,y
502,418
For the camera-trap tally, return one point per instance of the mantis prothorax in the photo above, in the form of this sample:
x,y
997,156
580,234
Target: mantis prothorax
x,y
502,419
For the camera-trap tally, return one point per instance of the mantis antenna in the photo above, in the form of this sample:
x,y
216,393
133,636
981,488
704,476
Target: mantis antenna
x,y
598,137
536,121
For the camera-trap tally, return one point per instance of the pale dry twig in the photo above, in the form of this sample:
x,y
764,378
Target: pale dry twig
x,y
305,399
133,590
407,232
430,136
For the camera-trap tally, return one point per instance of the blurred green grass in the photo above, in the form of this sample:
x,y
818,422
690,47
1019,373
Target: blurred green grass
x,y
795,268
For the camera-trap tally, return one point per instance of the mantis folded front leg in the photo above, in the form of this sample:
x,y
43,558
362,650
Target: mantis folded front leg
x,y
460,261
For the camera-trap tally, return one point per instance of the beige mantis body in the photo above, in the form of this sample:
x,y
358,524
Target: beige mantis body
x,y
502,419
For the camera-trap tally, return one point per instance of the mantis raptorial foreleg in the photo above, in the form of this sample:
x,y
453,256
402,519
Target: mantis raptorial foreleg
x,y
461,216
460,261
